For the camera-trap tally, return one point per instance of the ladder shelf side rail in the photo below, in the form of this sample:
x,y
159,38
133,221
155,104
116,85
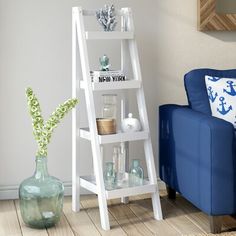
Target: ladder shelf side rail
x,y
92,118
144,119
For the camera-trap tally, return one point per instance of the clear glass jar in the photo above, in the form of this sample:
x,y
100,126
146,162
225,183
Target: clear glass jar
x,y
109,106
41,197
136,173
110,176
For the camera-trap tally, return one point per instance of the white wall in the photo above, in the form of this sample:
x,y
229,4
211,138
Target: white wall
x,y
35,50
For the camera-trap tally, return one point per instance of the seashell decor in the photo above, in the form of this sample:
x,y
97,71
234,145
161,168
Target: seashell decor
x,y
107,17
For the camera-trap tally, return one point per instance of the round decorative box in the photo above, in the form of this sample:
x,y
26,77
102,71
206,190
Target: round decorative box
x,y
106,126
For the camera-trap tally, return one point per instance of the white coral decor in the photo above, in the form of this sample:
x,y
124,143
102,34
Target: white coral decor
x,y
107,17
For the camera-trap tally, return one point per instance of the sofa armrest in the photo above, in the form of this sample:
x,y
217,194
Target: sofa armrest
x,y
197,158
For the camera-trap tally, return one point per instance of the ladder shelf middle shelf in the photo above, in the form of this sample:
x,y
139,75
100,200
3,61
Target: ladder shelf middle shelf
x,y
115,138
128,84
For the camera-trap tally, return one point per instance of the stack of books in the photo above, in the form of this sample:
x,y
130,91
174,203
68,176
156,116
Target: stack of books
x,y
107,76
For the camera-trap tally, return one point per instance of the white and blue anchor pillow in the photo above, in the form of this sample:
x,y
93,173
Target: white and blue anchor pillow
x,y
222,97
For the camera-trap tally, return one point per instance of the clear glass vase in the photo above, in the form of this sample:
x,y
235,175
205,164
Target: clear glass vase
x,y
119,164
109,106
110,176
41,197
136,174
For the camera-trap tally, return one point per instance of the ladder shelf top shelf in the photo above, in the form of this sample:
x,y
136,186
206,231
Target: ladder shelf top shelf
x,y
89,183
115,138
128,84
91,35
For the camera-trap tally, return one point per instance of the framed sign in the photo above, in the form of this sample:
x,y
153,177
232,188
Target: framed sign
x,y
216,15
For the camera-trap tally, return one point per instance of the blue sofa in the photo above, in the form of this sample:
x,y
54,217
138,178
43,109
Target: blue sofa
x,y
198,151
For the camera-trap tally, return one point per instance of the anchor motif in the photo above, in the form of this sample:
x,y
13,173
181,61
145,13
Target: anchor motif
x,y
224,111
214,79
231,85
212,97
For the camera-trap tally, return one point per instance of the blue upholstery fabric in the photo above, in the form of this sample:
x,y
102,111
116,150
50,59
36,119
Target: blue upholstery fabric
x,y
197,151
197,158
196,89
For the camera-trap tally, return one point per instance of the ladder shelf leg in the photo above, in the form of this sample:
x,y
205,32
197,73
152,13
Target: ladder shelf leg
x,y
103,210
96,149
124,104
75,142
156,204
144,118
98,169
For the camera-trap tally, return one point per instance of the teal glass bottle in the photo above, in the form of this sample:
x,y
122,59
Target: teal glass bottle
x,y
110,176
136,173
41,197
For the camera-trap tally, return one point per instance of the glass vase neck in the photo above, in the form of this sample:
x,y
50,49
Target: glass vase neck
x,y
109,166
136,163
41,167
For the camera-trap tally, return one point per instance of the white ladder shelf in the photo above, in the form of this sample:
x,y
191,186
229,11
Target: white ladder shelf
x,y
95,183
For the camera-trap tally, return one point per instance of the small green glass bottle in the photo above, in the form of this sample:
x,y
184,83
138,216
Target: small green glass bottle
x,y
110,176
136,173
41,197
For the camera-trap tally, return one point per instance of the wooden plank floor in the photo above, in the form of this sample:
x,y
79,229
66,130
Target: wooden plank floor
x,y
135,218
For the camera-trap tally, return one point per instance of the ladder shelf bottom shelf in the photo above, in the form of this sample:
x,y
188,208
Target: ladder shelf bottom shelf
x,y
115,138
89,183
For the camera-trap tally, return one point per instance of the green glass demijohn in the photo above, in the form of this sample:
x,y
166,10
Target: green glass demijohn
x,y
41,196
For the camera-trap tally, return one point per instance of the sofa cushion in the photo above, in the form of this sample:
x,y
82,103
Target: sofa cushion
x,y
195,87
222,97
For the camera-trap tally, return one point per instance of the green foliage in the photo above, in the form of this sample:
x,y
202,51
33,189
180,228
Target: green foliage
x,y
43,131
